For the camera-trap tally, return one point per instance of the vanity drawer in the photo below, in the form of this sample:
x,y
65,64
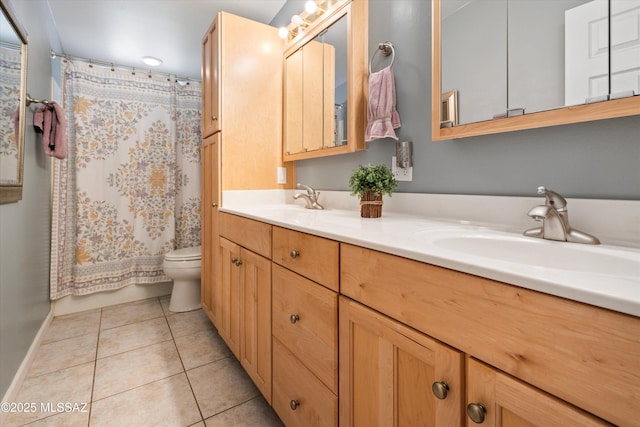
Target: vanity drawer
x,y
312,256
294,386
251,234
585,355
312,333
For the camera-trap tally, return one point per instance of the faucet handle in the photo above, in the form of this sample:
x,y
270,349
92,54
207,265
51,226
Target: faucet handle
x,y
553,198
310,191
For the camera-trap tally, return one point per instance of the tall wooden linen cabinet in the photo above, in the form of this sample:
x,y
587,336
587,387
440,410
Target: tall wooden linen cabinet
x,y
242,78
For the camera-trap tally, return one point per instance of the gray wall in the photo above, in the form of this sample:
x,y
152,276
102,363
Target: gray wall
x,y
594,160
25,229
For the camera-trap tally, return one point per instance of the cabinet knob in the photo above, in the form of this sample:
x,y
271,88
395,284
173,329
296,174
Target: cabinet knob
x,y
294,318
294,404
214,118
236,261
440,389
294,253
214,204
476,412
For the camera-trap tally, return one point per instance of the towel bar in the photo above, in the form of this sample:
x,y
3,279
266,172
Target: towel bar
x,y
387,49
31,100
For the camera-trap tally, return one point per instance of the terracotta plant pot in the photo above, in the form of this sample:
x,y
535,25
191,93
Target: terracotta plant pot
x,y
371,205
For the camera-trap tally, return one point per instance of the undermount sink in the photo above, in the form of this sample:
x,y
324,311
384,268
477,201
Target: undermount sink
x,y
547,254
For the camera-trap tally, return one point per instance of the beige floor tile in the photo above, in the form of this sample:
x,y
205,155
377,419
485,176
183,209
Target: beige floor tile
x,y
64,354
201,348
71,385
188,323
221,385
168,402
124,371
129,337
132,312
69,417
200,424
254,413
72,325
164,302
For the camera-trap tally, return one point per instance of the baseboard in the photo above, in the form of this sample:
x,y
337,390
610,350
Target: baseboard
x,y
77,303
18,378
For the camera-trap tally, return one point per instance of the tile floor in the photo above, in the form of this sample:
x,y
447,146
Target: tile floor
x,y
138,364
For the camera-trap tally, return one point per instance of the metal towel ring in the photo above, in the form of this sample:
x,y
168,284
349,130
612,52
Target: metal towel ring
x,y
387,49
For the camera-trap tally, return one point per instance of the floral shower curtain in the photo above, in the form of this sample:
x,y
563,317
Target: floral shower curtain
x,y
129,190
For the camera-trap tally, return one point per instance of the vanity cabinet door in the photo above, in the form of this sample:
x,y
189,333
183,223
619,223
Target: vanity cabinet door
x,y
255,319
387,371
209,237
229,304
495,399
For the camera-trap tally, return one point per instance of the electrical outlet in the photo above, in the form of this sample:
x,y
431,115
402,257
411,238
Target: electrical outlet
x,y
401,174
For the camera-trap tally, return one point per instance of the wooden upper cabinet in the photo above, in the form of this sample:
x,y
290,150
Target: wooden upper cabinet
x,y
210,60
242,88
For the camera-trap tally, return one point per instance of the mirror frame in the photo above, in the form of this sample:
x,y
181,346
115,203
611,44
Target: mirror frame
x,y
357,14
559,116
10,193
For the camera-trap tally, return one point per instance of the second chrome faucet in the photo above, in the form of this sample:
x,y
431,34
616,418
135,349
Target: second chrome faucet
x,y
555,221
311,197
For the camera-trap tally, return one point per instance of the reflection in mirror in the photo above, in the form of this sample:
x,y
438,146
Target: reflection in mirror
x,y
534,59
625,48
316,92
547,41
337,37
12,110
474,57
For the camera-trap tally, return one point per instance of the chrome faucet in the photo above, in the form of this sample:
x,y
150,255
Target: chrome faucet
x,y
311,197
555,221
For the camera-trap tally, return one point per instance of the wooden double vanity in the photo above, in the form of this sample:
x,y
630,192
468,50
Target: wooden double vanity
x,y
334,333
337,334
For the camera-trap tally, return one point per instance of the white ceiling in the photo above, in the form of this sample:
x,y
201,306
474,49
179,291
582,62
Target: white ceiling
x,y
123,31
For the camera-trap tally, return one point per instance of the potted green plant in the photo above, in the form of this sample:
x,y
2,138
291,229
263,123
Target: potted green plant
x,y
370,183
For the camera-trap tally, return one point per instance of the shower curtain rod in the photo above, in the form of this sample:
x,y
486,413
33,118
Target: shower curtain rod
x,y
113,66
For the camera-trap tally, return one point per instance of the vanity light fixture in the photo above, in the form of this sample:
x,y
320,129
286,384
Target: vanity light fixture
x,y
299,21
152,61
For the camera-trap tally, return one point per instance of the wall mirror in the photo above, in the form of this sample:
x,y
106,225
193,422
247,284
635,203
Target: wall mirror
x,y
325,84
522,64
13,80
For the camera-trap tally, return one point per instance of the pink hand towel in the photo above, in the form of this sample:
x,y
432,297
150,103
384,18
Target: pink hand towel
x,y
49,120
381,113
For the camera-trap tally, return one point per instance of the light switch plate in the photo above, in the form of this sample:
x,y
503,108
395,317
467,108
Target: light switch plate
x,y
282,176
401,174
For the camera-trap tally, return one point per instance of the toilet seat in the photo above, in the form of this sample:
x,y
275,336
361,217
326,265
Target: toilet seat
x,y
184,254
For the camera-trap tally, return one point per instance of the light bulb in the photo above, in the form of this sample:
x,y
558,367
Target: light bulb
x,y
311,7
297,20
283,32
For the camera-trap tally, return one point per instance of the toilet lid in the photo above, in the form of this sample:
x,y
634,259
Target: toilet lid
x,y
184,254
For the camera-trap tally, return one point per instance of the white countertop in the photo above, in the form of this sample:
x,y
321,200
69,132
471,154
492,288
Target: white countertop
x,y
603,275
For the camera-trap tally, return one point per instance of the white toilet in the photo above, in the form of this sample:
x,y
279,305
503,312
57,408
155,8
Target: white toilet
x,y
183,267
